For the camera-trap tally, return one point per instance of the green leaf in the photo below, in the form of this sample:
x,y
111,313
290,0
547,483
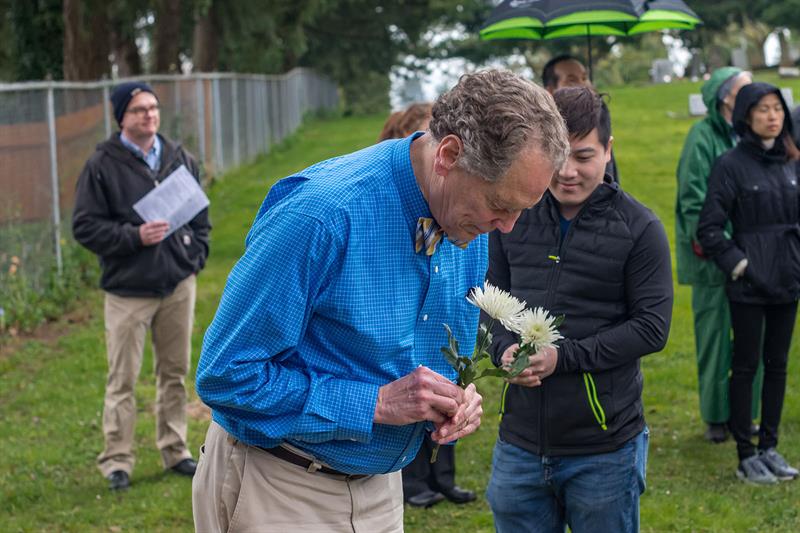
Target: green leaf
x,y
467,376
558,321
483,340
493,372
450,357
451,339
518,365
478,357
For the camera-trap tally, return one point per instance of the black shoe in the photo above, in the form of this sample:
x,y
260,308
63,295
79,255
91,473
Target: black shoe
x,y
426,499
187,467
459,495
716,433
118,480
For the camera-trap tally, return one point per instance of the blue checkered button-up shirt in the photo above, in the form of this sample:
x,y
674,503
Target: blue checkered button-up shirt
x,y
328,303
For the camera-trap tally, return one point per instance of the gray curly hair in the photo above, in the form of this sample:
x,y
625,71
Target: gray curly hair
x,y
497,114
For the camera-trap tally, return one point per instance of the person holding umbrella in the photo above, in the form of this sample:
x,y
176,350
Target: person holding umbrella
x,y
753,189
567,71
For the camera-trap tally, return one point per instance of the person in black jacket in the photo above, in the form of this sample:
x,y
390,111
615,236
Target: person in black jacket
x,y
754,188
573,442
148,279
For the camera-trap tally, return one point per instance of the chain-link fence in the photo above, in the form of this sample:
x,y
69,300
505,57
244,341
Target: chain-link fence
x,y
49,129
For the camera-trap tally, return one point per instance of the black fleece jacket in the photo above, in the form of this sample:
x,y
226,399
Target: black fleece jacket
x,y
757,191
611,277
105,222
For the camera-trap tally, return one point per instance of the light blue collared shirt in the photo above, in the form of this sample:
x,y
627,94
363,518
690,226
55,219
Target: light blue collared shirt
x,y
152,157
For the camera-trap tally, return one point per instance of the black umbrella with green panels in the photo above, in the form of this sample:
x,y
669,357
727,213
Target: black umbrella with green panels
x,y
553,19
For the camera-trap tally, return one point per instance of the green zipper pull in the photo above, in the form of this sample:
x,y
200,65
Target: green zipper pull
x,y
555,258
594,402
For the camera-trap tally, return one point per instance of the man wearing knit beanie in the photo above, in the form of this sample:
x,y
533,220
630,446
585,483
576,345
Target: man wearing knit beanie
x,y
149,274
124,93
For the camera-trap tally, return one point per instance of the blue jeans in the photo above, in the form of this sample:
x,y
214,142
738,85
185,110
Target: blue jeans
x,y
543,494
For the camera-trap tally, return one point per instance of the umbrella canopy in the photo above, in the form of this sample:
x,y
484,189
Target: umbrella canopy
x,y
552,19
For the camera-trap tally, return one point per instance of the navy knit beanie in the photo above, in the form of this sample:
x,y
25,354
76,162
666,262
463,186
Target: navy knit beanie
x,y
124,93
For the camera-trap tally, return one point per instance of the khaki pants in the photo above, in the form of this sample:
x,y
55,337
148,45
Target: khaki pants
x,y
241,488
127,320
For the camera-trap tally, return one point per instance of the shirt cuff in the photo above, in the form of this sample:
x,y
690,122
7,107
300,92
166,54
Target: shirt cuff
x,y
350,405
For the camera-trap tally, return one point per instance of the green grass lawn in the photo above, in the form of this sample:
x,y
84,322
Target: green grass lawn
x,y
51,390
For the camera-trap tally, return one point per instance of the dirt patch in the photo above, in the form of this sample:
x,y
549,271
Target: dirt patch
x,y
198,410
48,333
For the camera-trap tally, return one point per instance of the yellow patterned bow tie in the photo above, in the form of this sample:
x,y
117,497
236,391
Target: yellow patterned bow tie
x,y
429,234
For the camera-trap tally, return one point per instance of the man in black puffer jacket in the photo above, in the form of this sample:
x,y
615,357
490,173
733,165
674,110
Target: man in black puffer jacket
x,y
573,442
148,279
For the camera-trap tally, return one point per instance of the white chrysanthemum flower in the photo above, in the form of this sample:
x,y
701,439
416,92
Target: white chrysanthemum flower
x,y
496,303
536,328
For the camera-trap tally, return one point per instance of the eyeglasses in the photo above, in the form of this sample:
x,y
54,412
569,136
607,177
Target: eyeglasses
x,y
142,111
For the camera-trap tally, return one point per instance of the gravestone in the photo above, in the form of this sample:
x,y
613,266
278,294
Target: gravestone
x,y
662,71
739,58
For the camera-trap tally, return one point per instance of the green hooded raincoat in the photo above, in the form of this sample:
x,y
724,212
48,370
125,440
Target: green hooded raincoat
x,y
707,140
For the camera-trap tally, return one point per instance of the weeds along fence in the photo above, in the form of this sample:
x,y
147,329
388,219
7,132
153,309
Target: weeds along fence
x,y
49,129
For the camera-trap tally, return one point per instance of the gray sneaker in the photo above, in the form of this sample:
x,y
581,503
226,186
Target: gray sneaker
x,y
752,470
777,464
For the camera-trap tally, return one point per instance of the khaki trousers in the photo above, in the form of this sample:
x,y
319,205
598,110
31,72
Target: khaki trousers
x,y
240,488
127,319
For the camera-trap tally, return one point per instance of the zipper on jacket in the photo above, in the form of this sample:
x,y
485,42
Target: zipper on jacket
x,y
594,402
552,283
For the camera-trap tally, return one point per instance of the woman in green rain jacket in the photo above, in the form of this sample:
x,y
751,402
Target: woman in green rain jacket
x,y
707,140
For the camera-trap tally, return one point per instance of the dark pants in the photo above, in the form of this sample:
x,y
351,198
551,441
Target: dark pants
x,y
759,331
421,475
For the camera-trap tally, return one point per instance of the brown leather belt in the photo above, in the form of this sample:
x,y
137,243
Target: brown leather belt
x,y
311,466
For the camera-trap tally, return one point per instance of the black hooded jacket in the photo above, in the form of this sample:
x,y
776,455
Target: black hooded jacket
x,y
756,190
105,222
611,277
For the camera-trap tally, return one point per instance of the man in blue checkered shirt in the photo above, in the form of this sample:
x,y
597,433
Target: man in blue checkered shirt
x,y
322,365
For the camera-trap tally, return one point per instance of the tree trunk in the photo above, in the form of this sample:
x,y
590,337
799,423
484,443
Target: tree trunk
x,y
717,56
206,38
755,53
72,27
85,58
97,42
786,57
126,53
167,36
